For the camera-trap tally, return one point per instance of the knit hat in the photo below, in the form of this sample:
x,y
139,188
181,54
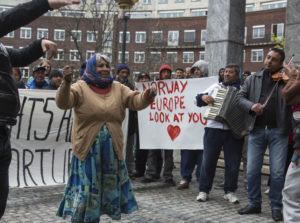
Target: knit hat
x,y
143,74
36,68
55,73
164,67
122,66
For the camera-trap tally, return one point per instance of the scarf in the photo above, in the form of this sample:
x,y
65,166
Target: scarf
x,y
90,76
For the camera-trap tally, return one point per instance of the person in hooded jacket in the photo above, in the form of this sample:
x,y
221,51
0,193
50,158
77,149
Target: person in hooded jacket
x,y
154,156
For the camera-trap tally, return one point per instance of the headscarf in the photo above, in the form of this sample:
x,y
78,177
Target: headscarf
x,y
90,76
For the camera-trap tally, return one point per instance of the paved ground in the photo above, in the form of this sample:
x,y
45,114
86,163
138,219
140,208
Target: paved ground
x,y
157,204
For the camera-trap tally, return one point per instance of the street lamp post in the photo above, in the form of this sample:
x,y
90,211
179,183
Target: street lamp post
x,y
125,5
125,19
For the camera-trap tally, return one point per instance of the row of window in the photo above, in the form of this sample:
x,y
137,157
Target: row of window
x,y
140,36
157,37
60,35
156,57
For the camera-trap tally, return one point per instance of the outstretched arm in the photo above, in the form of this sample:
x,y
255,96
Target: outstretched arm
x,y
23,14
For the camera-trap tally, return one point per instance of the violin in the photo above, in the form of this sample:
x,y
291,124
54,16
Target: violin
x,y
280,75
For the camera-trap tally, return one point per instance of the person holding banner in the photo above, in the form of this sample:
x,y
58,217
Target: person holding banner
x,y
98,179
10,20
216,136
191,158
154,156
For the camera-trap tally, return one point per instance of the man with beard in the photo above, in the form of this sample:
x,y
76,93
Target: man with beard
x,y
39,81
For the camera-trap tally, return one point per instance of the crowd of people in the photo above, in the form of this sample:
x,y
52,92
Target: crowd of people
x,y
99,178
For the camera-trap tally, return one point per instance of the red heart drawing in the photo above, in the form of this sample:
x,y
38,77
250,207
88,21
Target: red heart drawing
x,y
173,131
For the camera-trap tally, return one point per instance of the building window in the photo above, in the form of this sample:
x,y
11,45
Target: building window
x,y
139,57
257,55
25,72
162,1
188,57
42,33
107,39
140,37
171,14
278,30
173,38
249,8
195,0
127,37
244,56
147,2
203,37
189,35
140,15
202,55
74,55
245,35
44,56
155,57
274,5
60,55
171,57
126,57
91,36
198,12
59,34
157,36
98,2
73,14
25,33
89,54
179,1
10,35
76,35
258,32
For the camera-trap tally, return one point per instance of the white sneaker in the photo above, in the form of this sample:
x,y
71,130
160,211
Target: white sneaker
x,y
202,197
232,198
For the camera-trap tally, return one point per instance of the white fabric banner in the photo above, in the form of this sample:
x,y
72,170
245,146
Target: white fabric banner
x,y
173,121
40,141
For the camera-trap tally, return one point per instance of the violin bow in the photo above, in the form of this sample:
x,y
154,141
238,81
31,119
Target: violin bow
x,y
276,85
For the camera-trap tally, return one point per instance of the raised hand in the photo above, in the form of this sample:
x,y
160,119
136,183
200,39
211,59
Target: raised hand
x,y
49,46
68,73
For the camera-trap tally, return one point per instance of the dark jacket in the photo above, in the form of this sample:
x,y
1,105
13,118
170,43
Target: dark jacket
x,y
10,20
132,118
291,94
249,95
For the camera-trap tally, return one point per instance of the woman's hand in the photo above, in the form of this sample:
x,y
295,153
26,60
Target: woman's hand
x,y
50,47
151,92
68,73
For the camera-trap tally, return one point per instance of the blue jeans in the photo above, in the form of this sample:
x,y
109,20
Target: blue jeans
x,y
214,140
258,141
189,159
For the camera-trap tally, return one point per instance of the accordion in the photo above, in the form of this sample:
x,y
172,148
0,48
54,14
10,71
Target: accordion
x,y
225,110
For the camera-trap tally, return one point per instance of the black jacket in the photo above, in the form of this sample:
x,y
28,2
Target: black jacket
x,y
9,21
249,94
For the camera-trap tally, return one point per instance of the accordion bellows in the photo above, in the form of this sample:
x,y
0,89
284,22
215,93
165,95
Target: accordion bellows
x,y
225,110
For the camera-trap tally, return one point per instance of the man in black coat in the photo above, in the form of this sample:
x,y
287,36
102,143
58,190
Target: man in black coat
x,y
10,20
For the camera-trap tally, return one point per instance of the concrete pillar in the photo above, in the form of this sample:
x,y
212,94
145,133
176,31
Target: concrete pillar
x,y
292,31
225,34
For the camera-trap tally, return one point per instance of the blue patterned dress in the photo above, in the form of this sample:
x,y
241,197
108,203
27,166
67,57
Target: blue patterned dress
x,y
98,185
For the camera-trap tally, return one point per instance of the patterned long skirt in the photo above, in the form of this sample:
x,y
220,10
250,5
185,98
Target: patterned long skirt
x,y
98,185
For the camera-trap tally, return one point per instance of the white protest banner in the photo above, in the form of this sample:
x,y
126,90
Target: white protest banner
x,y
40,141
173,121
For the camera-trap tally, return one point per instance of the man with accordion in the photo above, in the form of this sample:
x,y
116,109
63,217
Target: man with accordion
x,y
218,135
269,120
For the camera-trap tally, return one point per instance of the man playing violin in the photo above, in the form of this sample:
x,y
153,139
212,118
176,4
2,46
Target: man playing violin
x,y
268,123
